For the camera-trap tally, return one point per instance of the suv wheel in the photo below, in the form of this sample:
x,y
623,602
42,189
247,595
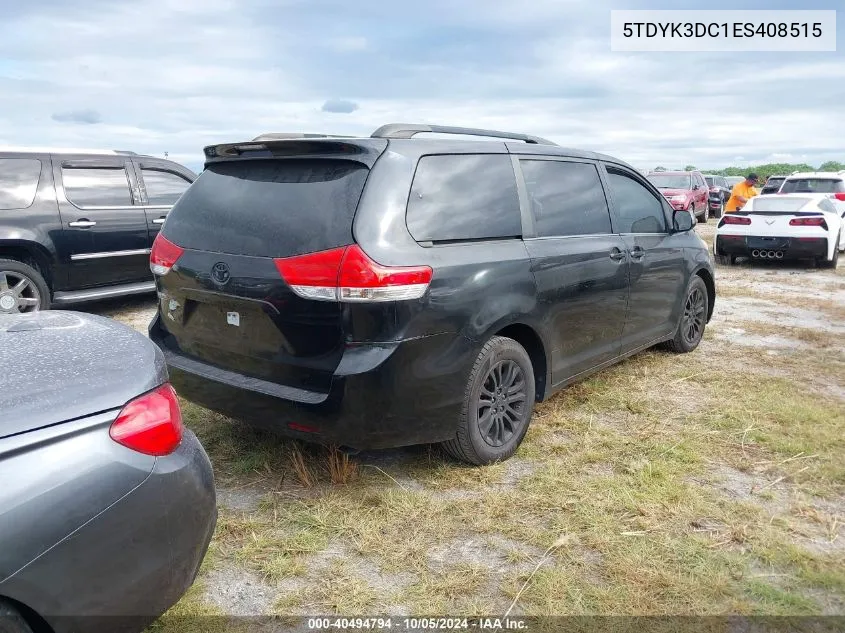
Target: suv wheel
x,y
498,404
22,288
693,318
11,621
706,215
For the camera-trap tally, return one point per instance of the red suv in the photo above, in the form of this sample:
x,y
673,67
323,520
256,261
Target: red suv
x,y
685,191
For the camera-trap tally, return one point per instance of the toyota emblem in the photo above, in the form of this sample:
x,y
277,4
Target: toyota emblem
x,y
220,273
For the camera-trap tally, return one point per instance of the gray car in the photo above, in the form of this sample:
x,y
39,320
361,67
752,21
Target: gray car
x,y
107,503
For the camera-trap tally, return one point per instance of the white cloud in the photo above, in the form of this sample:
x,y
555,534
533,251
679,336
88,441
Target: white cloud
x,y
175,75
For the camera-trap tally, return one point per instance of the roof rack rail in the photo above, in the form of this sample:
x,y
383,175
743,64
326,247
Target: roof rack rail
x,y
282,136
409,130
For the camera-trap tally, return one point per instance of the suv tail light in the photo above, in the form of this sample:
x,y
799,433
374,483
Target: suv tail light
x,y
347,274
736,219
163,255
150,424
808,222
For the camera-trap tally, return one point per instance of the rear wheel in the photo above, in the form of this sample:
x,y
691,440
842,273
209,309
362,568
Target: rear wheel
x,y
22,288
706,214
693,318
721,211
498,404
11,621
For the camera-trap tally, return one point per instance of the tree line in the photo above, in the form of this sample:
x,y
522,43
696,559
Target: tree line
x,y
769,169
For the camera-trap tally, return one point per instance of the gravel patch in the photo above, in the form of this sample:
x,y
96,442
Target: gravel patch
x,y
239,592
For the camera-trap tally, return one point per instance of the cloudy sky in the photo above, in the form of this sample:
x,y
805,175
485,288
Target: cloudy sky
x,y
159,76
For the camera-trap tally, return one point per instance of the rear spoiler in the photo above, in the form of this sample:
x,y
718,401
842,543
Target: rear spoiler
x,y
365,151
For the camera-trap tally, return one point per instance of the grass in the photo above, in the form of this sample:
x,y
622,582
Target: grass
x,y
705,484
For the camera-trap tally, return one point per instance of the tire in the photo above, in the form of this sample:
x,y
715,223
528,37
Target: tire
x,y
721,211
11,621
693,213
12,273
501,364
693,310
726,260
706,215
830,263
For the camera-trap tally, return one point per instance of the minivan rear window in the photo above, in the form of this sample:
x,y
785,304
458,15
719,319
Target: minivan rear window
x,y
464,197
18,182
269,208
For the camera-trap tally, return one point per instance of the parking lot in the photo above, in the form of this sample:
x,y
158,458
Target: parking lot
x,y
705,483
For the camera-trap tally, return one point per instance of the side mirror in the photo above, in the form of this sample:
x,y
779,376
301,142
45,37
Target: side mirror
x,y
682,221
695,187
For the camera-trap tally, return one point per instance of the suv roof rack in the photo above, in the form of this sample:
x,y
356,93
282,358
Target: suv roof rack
x,y
283,136
409,130
63,150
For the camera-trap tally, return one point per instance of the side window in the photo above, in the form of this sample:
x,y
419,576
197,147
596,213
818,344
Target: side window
x,y
163,187
464,197
18,182
638,210
566,198
97,186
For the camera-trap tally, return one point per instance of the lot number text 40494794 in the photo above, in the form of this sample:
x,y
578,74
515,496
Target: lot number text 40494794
x,y
418,624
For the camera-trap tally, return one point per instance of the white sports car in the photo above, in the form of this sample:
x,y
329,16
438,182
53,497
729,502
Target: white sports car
x,y
784,226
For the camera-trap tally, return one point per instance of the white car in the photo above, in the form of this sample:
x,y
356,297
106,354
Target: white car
x,y
815,182
784,226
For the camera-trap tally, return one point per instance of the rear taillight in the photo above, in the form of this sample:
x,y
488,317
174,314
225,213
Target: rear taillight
x,y
348,274
150,424
163,255
736,219
839,196
808,222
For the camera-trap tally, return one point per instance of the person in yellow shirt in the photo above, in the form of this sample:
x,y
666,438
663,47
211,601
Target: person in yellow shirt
x,y
742,193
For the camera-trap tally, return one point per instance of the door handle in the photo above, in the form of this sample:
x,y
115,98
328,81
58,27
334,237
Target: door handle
x,y
637,253
159,221
82,224
616,254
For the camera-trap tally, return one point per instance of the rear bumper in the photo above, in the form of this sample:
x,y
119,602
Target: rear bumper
x,y
381,395
133,561
786,247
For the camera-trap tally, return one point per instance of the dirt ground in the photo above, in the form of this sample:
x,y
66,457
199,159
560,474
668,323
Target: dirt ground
x,y
709,483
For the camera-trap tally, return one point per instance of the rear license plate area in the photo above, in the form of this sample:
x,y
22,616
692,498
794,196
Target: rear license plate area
x,y
776,243
242,327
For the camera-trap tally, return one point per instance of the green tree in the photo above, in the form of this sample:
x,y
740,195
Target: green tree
x,y
690,168
660,168
832,165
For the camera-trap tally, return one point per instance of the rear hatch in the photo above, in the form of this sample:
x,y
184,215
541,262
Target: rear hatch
x,y
224,301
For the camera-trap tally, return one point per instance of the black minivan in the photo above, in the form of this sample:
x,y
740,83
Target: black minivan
x,y
387,291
